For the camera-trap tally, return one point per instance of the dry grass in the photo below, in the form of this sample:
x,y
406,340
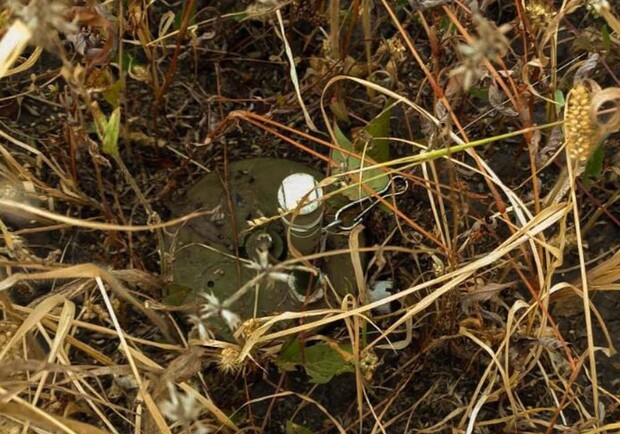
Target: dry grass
x,y
107,109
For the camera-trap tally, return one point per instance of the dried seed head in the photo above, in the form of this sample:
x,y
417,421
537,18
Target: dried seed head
x,y
7,330
45,19
246,329
539,13
368,363
229,360
579,131
490,43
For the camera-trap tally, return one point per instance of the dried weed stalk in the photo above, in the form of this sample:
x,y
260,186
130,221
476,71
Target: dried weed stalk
x,y
45,19
490,44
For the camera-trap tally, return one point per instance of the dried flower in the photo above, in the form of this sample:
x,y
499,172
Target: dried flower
x,y
262,264
230,360
246,329
439,268
602,8
201,328
539,13
368,363
598,6
45,19
270,273
181,407
491,42
212,308
231,319
422,5
263,244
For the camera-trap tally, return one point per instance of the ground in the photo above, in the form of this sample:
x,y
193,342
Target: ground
x,y
123,110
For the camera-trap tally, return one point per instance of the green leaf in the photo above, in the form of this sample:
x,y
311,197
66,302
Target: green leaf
x,y
339,109
321,361
375,179
376,148
479,92
112,94
239,16
178,18
445,23
558,96
290,356
293,428
127,60
606,38
110,133
594,166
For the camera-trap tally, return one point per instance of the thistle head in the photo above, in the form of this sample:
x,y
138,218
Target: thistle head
x,y
230,360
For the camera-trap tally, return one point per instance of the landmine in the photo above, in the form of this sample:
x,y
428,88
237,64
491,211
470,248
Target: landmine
x,y
213,254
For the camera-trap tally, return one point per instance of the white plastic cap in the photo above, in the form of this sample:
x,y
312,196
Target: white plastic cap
x,y
295,188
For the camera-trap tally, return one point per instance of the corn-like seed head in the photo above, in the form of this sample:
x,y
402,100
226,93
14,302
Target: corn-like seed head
x,y
579,131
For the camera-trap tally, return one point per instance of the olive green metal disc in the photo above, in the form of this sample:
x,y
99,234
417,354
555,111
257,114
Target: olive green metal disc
x,y
207,249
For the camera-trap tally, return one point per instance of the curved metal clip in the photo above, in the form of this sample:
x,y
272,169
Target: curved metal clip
x,y
396,186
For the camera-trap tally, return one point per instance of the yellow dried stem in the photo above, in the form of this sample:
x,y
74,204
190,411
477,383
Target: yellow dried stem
x,y
12,45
